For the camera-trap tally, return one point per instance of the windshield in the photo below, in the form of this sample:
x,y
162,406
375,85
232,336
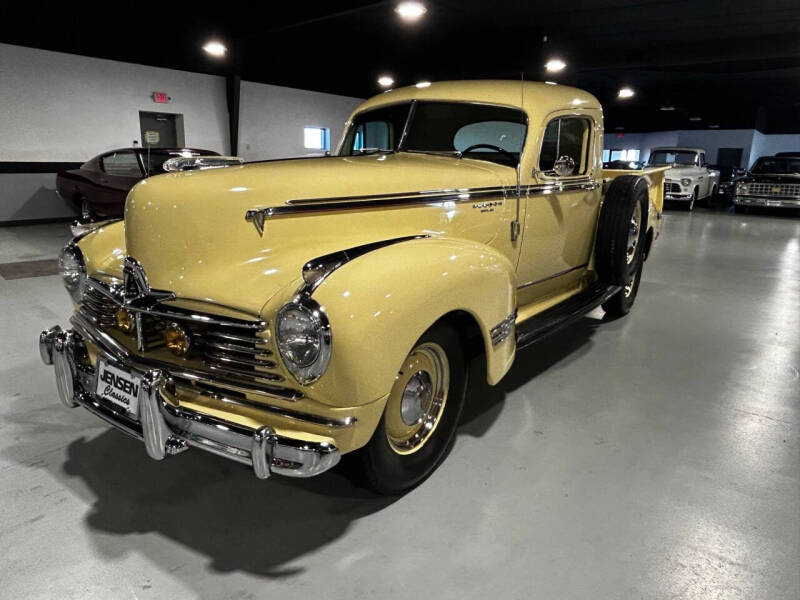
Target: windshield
x,y
777,166
478,131
673,157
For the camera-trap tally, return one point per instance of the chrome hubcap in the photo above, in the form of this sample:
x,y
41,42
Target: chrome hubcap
x,y
417,400
416,396
633,232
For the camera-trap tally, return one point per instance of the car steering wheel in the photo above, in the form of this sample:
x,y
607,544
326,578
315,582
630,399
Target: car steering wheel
x,y
495,148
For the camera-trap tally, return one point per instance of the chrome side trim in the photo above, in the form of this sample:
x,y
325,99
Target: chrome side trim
x,y
302,206
318,269
549,277
543,189
503,329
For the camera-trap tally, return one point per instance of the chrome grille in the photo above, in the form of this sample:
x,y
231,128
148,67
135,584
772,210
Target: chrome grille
x,y
240,352
672,187
99,307
776,190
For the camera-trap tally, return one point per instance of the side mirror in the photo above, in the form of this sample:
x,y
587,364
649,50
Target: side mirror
x,y
564,166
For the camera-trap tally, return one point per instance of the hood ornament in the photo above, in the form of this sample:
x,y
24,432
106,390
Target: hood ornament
x,y
137,291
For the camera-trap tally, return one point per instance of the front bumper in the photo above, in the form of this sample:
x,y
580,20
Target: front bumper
x,y
767,201
678,197
167,428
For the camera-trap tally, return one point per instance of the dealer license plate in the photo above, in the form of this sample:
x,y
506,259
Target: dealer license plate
x,y
118,387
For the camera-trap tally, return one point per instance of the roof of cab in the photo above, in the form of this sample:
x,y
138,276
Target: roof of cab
x,y
532,96
678,148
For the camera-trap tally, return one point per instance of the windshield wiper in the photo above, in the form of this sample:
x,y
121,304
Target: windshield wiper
x,y
454,153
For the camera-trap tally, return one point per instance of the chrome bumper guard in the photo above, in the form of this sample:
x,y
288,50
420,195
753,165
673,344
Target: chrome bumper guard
x,y
167,429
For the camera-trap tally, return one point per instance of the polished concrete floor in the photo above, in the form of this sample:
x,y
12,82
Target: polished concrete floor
x,y
656,456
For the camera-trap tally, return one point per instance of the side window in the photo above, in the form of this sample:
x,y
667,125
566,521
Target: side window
x,y
566,136
121,164
702,159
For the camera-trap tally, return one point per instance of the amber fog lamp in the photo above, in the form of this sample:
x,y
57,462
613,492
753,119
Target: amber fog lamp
x,y
125,322
178,340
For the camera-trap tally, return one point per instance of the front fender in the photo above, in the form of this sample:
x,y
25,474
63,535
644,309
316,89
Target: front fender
x,y
382,302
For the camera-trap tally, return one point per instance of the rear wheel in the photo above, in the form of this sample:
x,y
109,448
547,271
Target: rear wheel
x,y
421,414
621,235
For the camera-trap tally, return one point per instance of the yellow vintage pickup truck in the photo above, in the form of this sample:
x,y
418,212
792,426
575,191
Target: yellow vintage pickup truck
x,y
284,313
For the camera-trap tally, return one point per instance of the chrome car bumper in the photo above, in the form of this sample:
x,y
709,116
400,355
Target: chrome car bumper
x,y
168,429
767,201
678,197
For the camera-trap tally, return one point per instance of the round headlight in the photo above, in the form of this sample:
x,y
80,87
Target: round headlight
x,y
73,271
685,181
303,337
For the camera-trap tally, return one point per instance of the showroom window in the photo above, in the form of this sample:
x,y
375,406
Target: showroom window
x,y
121,164
630,154
567,136
317,138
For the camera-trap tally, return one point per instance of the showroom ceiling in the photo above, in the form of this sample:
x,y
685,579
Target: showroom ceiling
x,y
733,64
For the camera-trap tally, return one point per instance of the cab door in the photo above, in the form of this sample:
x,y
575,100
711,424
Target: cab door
x,y
561,208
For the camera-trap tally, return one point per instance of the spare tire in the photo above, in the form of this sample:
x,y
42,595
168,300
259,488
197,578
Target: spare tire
x,y
621,229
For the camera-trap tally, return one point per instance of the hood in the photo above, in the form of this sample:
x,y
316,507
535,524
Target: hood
x,y
188,230
770,178
676,173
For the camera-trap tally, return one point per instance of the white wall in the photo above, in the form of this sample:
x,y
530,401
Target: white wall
x,y
767,145
711,140
272,118
753,143
63,107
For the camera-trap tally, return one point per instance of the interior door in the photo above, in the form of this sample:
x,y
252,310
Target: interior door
x,y
159,130
561,208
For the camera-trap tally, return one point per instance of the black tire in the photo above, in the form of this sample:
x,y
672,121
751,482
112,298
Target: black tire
x,y
613,228
388,472
620,304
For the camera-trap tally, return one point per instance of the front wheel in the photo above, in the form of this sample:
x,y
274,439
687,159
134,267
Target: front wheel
x,y
690,206
421,414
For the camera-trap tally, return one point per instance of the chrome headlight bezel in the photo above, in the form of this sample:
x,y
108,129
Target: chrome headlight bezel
x,y
740,189
72,268
686,182
319,327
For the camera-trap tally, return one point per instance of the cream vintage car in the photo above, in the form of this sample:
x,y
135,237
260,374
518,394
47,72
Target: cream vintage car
x,y
284,313
689,178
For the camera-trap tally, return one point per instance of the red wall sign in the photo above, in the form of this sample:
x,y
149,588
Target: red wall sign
x,y
160,97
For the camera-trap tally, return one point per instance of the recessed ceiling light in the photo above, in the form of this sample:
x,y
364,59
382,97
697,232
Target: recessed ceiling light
x,y
713,126
695,119
385,81
424,84
215,48
554,65
410,11
667,108
625,92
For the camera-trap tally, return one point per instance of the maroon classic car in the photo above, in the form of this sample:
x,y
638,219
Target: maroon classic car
x,y
99,187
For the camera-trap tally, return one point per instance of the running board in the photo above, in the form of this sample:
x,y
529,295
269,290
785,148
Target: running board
x,y
563,314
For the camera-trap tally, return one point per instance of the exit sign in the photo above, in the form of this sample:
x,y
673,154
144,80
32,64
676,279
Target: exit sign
x,y
160,97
